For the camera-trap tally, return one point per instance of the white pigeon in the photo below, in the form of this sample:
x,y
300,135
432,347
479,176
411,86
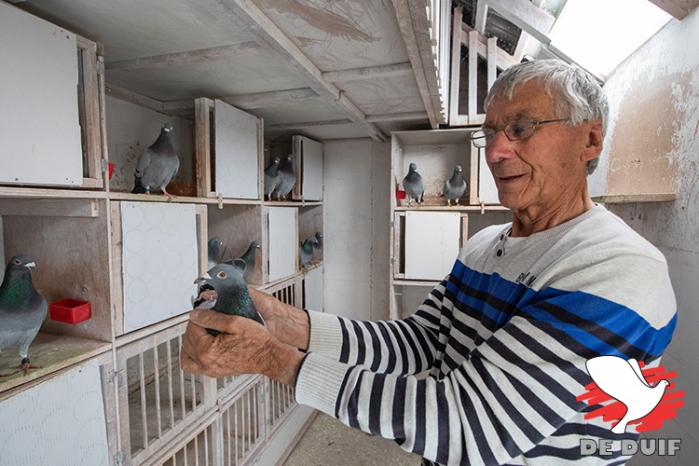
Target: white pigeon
x,y
624,381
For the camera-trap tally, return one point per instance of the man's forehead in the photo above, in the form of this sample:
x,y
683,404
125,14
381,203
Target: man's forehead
x,y
528,100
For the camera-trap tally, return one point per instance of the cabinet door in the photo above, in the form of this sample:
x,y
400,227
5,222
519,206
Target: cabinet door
x,y
314,289
58,422
159,261
432,241
39,123
487,191
311,157
283,241
237,156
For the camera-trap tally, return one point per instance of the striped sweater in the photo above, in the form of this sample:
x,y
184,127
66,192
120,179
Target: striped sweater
x,y
487,370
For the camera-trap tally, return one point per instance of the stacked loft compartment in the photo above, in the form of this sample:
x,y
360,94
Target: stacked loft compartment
x,y
133,258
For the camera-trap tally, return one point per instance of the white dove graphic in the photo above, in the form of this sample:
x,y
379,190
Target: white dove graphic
x,y
624,381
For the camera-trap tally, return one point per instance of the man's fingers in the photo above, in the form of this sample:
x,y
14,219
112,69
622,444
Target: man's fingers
x,y
188,364
214,320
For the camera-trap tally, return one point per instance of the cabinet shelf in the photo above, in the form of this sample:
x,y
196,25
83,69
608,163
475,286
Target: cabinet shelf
x,y
630,198
459,208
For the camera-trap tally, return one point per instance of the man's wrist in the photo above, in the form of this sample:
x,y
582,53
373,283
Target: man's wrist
x,y
285,362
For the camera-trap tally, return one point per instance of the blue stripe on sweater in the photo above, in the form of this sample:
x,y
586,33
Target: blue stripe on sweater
x,y
583,311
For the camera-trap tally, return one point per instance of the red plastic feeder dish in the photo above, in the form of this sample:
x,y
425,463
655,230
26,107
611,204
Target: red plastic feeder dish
x,y
110,169
70,311
400,194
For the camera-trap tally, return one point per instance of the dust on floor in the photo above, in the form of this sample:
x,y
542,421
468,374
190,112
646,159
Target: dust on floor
x,y
327,442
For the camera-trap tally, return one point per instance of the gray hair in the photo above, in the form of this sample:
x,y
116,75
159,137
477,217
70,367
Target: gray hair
x,y
577,95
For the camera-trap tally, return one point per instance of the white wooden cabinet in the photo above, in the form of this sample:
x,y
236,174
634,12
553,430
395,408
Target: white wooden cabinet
x,y
308,163
283,242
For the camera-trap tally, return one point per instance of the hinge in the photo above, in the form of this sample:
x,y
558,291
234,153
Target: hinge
x,y
113,376
118,458
105,165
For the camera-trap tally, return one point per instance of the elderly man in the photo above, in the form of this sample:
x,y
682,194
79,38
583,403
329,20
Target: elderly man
x,y
504,338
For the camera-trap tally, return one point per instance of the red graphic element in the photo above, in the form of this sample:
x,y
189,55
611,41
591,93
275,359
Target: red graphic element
x,y
669,404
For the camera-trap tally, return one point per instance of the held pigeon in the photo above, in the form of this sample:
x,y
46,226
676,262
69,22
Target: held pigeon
x,y
215,251
287,179
414,188
455,187
22,309
157,165
306,250
230,290
249,258
272,177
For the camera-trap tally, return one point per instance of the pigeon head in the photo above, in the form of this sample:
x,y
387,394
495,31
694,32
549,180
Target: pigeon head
x,y
255,244
20,265
319,238
167,127
277,160
458,169
223,278
17,282
412,167
215,247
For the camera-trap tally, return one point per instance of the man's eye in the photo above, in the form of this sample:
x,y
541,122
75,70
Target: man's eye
x,y
518,129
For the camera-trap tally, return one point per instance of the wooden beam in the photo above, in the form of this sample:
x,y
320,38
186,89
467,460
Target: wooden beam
x,y
120,93
677,8
526,16
524,38
402,116
248,11
481,15
492,60
369,72
505,60
456,41
472,74
404,15
50,207
184,58
310,124
271,99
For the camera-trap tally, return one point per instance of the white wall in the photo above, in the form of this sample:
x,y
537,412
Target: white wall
x,y
355,225
2,251
671,58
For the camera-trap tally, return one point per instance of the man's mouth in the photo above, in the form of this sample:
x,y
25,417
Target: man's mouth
x,y
509,178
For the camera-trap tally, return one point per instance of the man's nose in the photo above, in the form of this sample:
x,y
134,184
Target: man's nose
x,y
499,148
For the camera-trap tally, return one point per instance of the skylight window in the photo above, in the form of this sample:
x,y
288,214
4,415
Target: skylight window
x,y
600,34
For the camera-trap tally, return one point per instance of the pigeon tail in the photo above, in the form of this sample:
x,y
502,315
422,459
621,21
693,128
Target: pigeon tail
x,y
138,187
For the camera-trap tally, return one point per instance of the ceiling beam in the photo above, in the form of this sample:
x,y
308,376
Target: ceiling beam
x,y
369,72
677,8
183,58
525,38
275,37
504,59
406,16
120,93
271,99
481,16
526,16
310,124
401,116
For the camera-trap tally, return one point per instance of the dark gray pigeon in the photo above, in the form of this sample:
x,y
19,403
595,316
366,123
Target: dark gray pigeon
x,y
157,165
287,179
22,309
455,187
414,188
306,250
215,251
249,258
272,177
231,292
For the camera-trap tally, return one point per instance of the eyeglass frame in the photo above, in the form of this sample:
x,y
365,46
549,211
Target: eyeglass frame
x,y
534,123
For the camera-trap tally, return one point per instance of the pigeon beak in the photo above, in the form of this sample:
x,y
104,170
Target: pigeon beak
x,y
258,246
30,265
203,278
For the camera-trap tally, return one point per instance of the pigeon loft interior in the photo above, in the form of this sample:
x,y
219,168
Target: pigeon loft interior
x,y
273,125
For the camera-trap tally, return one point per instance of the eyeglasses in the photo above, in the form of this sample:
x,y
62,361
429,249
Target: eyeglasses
x,y
517,130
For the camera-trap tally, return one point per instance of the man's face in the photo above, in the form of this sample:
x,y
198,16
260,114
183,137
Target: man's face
x,y
537,171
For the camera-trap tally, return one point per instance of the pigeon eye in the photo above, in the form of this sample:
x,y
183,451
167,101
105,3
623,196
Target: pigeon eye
x,y
18,262
222,275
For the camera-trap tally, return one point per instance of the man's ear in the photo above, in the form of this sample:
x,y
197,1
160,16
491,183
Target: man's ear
x,y
593,141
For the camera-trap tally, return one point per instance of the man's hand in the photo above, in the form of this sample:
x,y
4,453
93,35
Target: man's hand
x,y
287,323
243,347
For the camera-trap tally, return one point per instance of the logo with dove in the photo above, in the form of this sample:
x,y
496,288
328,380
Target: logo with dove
x,y
625,392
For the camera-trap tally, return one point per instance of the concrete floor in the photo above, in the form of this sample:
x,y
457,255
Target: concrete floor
x,y
327,442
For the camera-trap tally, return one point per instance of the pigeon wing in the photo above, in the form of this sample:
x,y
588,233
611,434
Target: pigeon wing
x,y
143,163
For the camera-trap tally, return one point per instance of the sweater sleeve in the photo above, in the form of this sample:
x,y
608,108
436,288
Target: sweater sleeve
x,y
406,346
516,388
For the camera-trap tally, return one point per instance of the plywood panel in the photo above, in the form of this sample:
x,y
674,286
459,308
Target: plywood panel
x,y
312,165
40,137
314,289
431,244
237,163
160,261
283,242
60,422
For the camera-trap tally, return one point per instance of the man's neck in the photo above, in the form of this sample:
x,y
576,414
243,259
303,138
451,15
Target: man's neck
x,y
534,219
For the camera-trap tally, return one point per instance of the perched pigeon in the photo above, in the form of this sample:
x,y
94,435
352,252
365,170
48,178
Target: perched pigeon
x,y
231,292
22,309
306,250
287,179
318,245
412,183
157,165
249,258
455,187
272,177
215,251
